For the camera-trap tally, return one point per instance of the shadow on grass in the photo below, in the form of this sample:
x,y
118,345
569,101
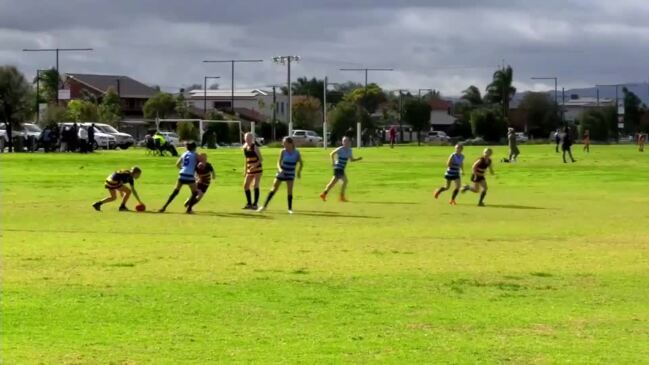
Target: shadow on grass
x,y
250,215
514,206
386,203
315,213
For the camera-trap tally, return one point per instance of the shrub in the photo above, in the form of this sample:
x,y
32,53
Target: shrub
x,y
488,124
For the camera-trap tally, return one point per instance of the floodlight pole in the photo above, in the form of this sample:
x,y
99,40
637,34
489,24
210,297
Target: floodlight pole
x,y
232,62
287,60
365,70
57,51
205,78
324,109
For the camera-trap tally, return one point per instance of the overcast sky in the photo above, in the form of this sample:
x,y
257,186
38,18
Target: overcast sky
x,y
446,44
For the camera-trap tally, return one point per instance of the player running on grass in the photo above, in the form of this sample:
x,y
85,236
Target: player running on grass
x,y
478,177
342,154
455,165
253,170
187,165
115,182
204,175
287,167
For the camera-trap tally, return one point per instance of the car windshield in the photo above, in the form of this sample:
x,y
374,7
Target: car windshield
x,y
107,129
310,133
31,128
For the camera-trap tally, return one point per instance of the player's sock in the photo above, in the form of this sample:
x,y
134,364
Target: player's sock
x,y
192,202
455,194
171,198
268,198
248,197
256,197
482,195
290,202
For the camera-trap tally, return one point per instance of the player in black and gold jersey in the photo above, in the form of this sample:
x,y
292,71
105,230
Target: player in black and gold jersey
x,y
478,178
252,170
115,182
204,175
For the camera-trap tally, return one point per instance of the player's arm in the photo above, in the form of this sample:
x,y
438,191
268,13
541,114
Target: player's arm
x,y
299,169
450,161
258,152
355,159
213,172
462,167
135,193
279,161
491,169
475,166
179,163
333,155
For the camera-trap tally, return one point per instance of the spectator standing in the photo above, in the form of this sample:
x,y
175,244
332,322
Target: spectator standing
x,y
82,140
393,136
91,137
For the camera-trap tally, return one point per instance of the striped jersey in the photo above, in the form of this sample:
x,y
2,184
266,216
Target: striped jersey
x,y
204,173
188,167
483,165
343,155
253,165
453,171
289,162
120,177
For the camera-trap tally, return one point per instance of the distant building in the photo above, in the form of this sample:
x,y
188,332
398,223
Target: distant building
x,y
441,114
250,104
574,107
133,94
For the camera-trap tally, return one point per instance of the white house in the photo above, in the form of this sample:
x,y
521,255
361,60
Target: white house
x,y
441,115
246,101
576,106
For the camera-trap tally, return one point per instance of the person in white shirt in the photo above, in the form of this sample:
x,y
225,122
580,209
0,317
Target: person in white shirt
x,y
83,139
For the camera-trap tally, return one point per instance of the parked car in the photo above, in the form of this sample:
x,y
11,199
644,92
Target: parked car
x,y
521,137
437,136
124,140
29,132
171,137
102,139
14,133
302,136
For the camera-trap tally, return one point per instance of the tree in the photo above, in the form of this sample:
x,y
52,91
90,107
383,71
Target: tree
x,y
345,115
16,100
110,110
370,99
417,113
54,114
307,113
598,123
473,96
182,106
187,131
82,111
159,105
488,124
49,85
633,111
541,114
500,90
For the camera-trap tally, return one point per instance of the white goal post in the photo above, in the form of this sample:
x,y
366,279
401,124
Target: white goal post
x,y
201,125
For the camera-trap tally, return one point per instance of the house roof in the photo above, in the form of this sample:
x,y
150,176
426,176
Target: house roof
x,y
226,93
439,104
128,87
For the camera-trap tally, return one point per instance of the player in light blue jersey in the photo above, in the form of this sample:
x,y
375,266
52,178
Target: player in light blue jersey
x,y
187,165
289,166
454,167
339,158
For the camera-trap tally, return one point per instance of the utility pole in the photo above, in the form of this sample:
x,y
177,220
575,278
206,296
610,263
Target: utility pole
x,y
556,93
57,51
365,70
205,78
287,60
38,95
324,109
401,113
274,124
232,62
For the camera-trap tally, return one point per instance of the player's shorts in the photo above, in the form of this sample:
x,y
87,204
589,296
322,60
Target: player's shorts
x,y
281,176
452,177
476,179
113,185
202,187
339,173
186,181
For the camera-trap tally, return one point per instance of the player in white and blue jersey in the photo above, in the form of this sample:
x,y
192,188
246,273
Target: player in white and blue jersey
x,y
289,166
454,167
187,165
339,158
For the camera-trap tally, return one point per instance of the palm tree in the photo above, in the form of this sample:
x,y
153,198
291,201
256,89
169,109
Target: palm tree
x,y
501,91
472,95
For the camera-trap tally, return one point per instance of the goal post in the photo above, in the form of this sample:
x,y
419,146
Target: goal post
x,y
202,125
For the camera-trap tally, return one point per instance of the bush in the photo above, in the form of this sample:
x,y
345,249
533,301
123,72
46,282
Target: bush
x,y
187,131
461,128
488,124
597,123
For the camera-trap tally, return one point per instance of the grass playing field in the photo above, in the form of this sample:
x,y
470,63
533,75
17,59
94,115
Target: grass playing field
x,y
554,270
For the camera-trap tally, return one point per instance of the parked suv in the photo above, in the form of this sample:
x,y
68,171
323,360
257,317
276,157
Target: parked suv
x,y
301,135
102,139
123,140
437,136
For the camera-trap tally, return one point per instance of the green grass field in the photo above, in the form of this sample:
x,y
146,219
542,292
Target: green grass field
x,y
554,270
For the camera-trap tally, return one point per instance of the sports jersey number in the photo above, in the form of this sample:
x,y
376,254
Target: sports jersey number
x,y
186,161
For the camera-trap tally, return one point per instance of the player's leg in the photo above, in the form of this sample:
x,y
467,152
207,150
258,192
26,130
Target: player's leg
x,y
193,198
483,185
271,193
343,188
172,196
442,189
570,154
257,179
289,196
458,185
126,193
329,186
246,189
111,197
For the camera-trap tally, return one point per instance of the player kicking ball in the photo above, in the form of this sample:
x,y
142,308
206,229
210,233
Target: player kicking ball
x,y
478,177
454,166
287,167
115,182
339,158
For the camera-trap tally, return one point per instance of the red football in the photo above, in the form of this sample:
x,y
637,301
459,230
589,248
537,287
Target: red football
x,y
140,207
